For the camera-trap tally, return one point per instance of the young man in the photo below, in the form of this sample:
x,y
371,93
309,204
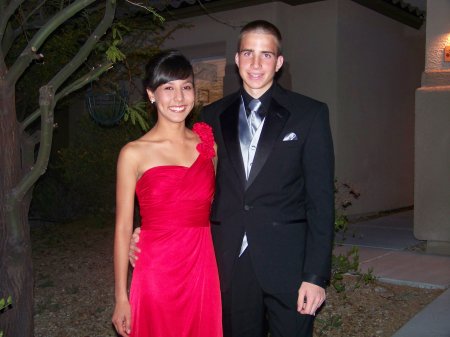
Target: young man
x,y
273,212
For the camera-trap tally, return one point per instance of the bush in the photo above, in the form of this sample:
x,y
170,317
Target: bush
x,y
80,180
347,263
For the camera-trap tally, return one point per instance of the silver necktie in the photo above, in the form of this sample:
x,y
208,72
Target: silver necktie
x,y
255,117
254,120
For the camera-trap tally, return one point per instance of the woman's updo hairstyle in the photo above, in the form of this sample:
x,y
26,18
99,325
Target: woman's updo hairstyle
x,y
167,66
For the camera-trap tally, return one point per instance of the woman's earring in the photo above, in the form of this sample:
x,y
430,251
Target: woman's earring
x,y
152,100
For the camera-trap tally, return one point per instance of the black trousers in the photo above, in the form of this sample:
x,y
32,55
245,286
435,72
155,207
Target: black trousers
x,y
248,311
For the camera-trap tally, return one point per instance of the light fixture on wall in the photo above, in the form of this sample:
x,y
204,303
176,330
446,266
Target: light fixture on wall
x,y
447,54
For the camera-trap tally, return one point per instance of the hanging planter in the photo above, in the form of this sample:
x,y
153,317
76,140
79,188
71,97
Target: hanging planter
x,y
107,109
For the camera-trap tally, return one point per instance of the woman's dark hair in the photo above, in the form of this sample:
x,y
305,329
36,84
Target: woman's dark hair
x,y
167,66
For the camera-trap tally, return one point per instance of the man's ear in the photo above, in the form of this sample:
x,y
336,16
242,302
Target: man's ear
x,y
236,59
280,60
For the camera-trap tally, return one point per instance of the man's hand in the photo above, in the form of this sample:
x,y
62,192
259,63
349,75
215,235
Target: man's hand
x,y
310,298
134,250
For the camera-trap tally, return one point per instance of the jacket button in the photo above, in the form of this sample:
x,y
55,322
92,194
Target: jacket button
x,y
246,207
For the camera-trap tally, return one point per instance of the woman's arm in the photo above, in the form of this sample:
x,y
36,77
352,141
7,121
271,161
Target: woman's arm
x,y
125,191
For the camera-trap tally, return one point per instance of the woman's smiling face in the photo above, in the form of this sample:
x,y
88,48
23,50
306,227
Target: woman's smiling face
x,y
174,100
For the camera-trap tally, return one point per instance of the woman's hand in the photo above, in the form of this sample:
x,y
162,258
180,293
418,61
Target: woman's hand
x,y
122,318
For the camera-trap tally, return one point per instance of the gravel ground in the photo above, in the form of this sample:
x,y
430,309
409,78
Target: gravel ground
x,y
74,295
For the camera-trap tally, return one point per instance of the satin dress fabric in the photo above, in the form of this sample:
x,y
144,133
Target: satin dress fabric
x,y
175,288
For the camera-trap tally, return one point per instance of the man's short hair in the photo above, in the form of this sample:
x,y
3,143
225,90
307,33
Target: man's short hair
x,y
263,27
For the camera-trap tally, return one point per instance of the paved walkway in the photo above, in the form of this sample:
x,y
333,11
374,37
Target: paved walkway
x,y
385,244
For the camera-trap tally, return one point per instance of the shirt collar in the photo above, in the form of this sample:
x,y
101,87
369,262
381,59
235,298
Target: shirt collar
x,y
264,98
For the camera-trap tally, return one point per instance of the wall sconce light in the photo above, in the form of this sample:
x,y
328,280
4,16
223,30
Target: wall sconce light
x,y
447,54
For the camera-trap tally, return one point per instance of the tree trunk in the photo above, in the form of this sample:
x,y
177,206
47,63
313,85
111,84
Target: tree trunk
x,y
16,277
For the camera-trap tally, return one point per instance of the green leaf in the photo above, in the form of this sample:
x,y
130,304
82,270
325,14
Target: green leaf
x,y
113,54
142,123
137,113
5,303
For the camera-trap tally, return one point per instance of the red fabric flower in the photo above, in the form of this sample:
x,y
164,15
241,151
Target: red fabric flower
x,y
206,146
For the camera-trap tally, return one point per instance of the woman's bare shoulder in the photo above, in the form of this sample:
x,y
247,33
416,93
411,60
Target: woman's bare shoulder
x,y
141,154
143,143
132,151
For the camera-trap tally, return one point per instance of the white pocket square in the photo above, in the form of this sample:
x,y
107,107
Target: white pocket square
x,y
290,136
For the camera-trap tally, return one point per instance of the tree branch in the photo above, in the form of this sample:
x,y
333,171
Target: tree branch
x,y
90,43
6,16
77,84
28,144
8,38
3,69
33,11
82,81
7,12
29,53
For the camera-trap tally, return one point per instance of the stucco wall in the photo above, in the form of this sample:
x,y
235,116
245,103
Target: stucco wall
x,y
379,66
438,35
432,151
432,213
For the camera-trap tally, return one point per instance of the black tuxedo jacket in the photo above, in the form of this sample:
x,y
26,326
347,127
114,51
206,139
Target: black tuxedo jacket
x,y
286,207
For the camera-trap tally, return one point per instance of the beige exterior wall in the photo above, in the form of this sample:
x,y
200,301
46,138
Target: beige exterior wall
x,y
379,68
432,136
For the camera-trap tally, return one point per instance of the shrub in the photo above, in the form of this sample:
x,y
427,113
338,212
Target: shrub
x,y
81,177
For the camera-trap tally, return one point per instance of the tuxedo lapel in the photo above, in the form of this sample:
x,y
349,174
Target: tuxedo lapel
x,y
229,126
273,125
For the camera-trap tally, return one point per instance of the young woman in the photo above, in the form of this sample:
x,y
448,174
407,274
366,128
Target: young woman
x,y
175,286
